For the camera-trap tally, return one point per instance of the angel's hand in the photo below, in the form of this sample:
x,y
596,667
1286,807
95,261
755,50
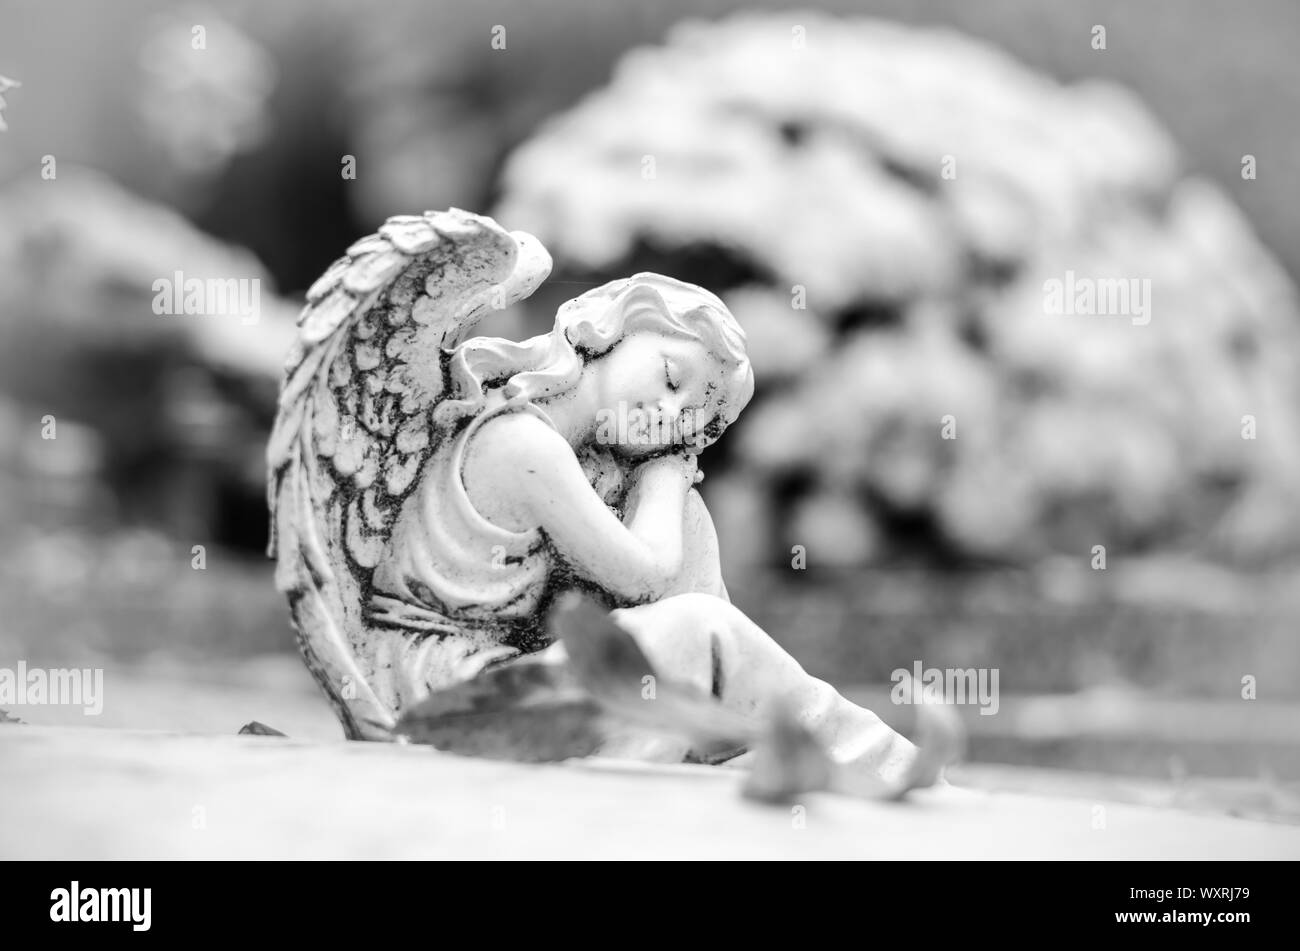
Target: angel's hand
x,y
667,470
691,464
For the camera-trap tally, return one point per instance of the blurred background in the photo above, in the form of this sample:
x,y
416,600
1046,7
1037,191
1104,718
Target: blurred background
x,y
878,189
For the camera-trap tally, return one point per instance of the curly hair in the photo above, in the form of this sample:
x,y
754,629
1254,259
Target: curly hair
x,y
588,327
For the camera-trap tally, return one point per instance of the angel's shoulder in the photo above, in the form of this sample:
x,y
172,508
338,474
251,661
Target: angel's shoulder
x,y
516,443
513,459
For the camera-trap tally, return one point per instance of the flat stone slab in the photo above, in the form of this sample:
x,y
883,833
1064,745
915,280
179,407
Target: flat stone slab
x,y
87,793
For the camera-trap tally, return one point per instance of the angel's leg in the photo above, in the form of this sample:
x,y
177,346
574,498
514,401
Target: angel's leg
x,y
706,641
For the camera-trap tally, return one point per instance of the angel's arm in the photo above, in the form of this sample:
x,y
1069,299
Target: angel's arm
x,y
702,565
539,481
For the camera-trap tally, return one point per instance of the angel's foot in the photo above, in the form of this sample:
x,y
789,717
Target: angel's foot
x,y
854,737
707,642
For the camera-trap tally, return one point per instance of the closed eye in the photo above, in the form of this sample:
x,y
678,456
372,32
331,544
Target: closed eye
x,y
668,375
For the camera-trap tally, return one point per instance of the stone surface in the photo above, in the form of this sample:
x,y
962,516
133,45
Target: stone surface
x,y
97,794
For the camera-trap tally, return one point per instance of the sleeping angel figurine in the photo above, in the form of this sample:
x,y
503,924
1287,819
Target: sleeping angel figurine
x,y
433,493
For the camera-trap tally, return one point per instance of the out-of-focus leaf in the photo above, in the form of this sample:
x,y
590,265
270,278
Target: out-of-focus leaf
x,y
607,661
525,710
256,728
605,658
788,760
532,709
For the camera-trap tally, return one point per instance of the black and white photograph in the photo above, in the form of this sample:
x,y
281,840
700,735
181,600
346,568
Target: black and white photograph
x,y
683,431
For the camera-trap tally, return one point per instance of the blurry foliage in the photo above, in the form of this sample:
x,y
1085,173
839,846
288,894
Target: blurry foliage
x,y
203,109
781,171
168,413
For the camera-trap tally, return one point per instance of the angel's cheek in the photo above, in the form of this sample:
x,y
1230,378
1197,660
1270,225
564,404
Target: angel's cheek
x,y
623,382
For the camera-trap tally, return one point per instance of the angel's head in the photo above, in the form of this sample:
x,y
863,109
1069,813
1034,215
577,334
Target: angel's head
x,y
661,364
665,366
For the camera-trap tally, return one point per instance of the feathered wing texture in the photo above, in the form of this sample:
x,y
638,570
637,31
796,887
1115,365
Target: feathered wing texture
x,y
354,426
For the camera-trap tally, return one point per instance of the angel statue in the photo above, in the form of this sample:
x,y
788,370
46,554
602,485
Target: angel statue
x,y
432,492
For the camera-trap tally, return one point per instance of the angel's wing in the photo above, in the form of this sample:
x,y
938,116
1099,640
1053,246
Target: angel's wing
x,y
354,425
